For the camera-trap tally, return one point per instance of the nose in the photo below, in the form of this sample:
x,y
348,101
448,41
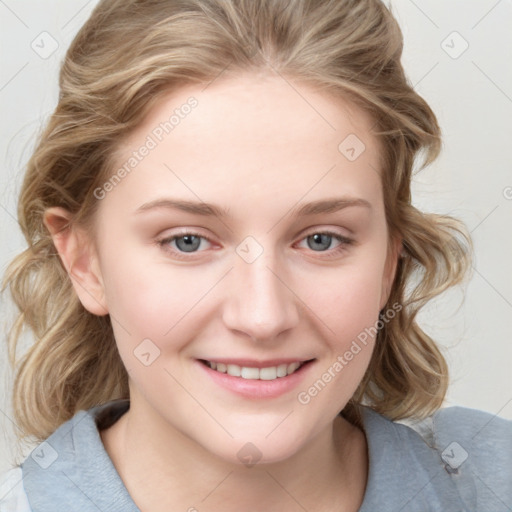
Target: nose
x,y
260,303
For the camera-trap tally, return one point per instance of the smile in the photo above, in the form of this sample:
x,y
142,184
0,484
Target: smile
x,y
251,373
256,380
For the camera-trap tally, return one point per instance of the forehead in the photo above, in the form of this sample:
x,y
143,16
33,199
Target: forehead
x,y
253,134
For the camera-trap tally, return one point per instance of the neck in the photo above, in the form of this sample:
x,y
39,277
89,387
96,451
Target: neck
x,y
163,469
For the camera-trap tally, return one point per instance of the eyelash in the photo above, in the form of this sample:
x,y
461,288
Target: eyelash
x,y
344,242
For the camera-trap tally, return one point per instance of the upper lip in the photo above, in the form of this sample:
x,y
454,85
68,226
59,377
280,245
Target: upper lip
x,y
255,363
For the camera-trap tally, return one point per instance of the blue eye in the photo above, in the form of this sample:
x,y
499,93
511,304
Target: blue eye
x,y
322,241
180,245
183,243
190,243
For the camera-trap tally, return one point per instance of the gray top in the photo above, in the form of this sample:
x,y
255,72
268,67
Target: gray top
x,y
459,459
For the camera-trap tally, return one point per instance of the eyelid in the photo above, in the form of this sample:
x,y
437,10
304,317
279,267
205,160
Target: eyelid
x,y
326,231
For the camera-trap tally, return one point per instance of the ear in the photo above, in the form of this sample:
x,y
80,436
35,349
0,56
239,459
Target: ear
x,y
388,277
79,259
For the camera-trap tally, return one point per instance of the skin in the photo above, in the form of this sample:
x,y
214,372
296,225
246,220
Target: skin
x,y
258,148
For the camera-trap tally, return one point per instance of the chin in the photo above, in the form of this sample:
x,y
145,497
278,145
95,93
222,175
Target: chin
x,y
255,450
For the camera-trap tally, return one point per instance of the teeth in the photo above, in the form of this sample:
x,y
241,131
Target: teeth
x,y
249,373
245,372
268,373
233,369
292,367
282,370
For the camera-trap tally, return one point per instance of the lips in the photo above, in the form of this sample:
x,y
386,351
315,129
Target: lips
x,y
258,380
260,372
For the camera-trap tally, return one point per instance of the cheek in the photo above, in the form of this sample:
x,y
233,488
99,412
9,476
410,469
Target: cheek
x,y
153,320
349,310
149,301
349,298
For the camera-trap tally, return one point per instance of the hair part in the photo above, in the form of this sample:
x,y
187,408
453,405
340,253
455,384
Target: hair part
x,y
126,57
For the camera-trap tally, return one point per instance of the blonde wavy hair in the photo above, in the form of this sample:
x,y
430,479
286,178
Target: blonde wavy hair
x,y
125,58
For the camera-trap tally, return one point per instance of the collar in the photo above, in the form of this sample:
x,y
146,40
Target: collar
x,y
72,470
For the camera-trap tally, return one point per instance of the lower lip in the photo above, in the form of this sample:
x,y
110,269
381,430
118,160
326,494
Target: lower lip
x,y
257,388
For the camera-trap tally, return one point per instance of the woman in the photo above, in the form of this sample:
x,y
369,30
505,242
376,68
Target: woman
x,y
224,269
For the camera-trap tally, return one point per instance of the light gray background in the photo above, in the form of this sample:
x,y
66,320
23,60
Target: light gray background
x,y
470,92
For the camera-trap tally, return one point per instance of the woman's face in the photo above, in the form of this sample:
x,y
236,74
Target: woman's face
x,y
249,235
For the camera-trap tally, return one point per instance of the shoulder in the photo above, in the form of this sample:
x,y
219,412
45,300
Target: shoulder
x,y
71,470
476,448
471,422
456,459
462,434
12,493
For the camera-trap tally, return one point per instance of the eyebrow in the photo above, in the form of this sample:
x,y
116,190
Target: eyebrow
x,y
208,209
